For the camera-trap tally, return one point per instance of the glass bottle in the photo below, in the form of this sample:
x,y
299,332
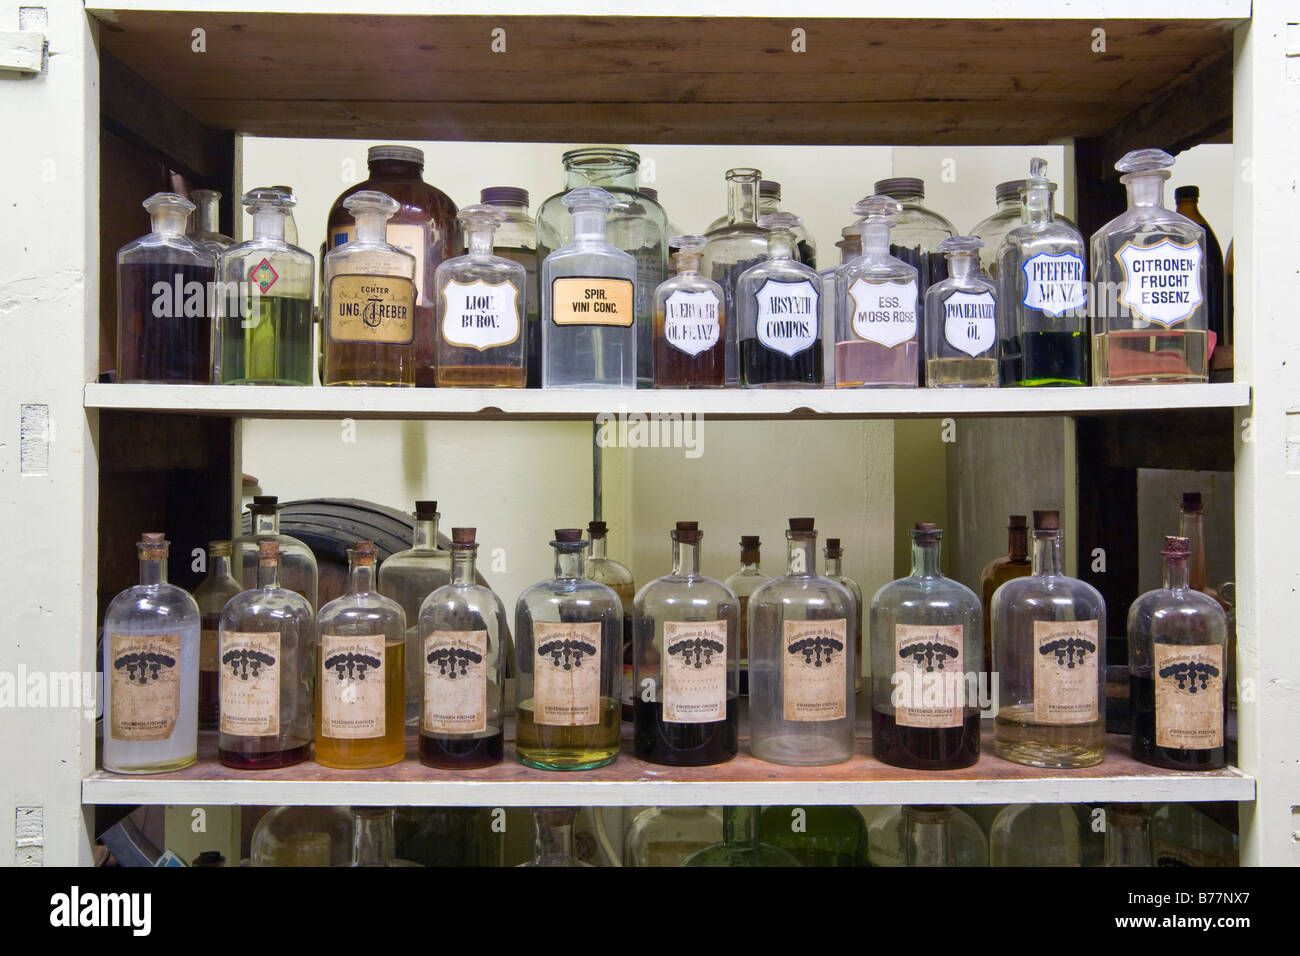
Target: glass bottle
x,y
1221,361
1177,670
834,571
1128,835
424,226
877,334
801,662
516,240
769,203
926,652
462,628
151,670
553,845
1036,834
603,569
1014,564
902,836
205,222
666,836
1186,202
744,583
268,640
360,692
993,229
290,225
689,343
850,247
589,335
733,248
298,570
302,836
1042,320
481,301
165,336
687,661
816,836
368,303
1149,314
568,648
1049,658
1182,835
961,315
211,596
448,836
266,301
373,840
740,845
1191,525
778,305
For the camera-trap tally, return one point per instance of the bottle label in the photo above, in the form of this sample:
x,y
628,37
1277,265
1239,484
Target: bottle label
x,y
813,669
692,321
146,685
929,686
1054,284
970,322
455,682
884,312
263,275
1165,853
1065,672
566,674
412,238
695,672
352,686
1162,282
1189,696
208,653
788,320
250,683
590,301
375,310
480,315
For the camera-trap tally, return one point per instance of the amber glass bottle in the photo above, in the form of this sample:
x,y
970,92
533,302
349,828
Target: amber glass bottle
x,y
1014,564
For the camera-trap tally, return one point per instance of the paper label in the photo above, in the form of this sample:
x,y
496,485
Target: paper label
x,y
583,301
263,275
208,653
1162,282
1189,696
788,319
1065,672
352,686
376,310
884,312
566,674
412,238
813,669
480,315
695,672
970,321
1054,284
250,684
455,682
929,687
146,690
692,321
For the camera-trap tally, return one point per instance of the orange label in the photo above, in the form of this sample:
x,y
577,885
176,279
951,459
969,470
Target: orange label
x,y
582,301
146,685
695,671
1065,672
376,310
1189,696
250,684
813,669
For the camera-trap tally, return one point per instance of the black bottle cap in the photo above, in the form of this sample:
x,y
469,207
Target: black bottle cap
x,y
1016,521
597,529
1187,192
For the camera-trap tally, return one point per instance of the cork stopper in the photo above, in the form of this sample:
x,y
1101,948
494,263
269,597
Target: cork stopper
x,y
1176,547
362,554
833,549
268,552
264,505
218,549
801,526
597,529
426,509
926,531
152,546
568,535
1047,521
1016,522
1192,504
687,532
462,539
749,548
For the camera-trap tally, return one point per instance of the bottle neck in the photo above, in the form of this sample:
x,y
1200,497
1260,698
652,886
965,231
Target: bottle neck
x,y
568,564
478,239
749,567
599,546
962,265
425,537
169,222
925,559
372,228
268,574
207,215
462,565
833,565
1038,205
875,240
589,225
266,522
1127,841
740,826
1176,572
1191,525
1047,553
554,834
688,263
153,571
803,554
927,842
686,558
742,201
609,173
361,576
1018,544
1146,189
219,566
780,245
372,837
268,224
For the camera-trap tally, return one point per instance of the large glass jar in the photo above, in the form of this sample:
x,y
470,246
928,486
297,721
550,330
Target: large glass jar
x,y
298,570
1036,834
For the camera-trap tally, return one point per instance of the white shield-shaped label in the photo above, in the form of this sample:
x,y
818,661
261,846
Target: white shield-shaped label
x,y
970,321
1162,282
1054,284
480,315
884,312
787,316
691,321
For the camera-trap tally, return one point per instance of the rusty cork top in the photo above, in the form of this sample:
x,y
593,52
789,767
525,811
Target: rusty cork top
x,y
687,532
264,504
801,525
153,545
462,538
749,541
1015,522
362,553
1047,521
597,529
1192,504
1176,547
568,535
926,531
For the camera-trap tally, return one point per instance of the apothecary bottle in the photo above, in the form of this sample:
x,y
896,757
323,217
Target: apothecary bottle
x,y
816,836
740,845
1149,314
1036,834
164,300
553,841
368,301
1014,564
211,596
745,582
568,649
835,571
689,322
733,248
926,661
603,569
267,648
686,694
589,335
801,662
516,240
462,633
151,670
877,326
778,305
360,681
298,569
266,300
1177,670
667,836
961,316
481,301
922,835
205,222
1049,659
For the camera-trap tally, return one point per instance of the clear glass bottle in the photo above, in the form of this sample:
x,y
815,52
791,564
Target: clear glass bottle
x,y
1177,669
368,303
769,202
211,596
1036,834
1186,202
265,304
1149,313
360,686
740,845
961,315
1014,564
733,248
667,836
373,839
268,642
1049,658
1128,835
298,570
877,331
689,341
205,222
904,836
744,583
553,845
835,571
801,662
926,653
568,649
302,836
151,671
290,224
603,569
687,702
481,301
850,247
462,632
778,305
516,240
165,336
816,836
589,334
993,229
1181,835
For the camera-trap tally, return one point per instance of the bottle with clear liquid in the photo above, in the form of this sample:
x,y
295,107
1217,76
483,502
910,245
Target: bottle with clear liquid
x,y
926,657
568,649
462,630
816,836
265,305
689,342
667,836
481,303
961,315
268,642
745,582
778,304
211,596
516,240
1036,834
1149,312
205,222
1049,658
553,845
1014,564
298,570
360,684
151,671
603,569
801,661
877,332
835,571
1128,835
302,836
589,334
912,836
687,703
740,845
733,248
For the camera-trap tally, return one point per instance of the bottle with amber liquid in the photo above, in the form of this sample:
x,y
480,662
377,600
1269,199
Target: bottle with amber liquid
x,y
211,596
689,343
1014,564
1186,203
603,569
835,571
1191,525
745,582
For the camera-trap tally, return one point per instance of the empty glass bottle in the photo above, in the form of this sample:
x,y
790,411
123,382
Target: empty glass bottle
x,y
769,201
1036,834
961,315
205,222
603,569
302,836
778,307
298,571
733,248
1128,835
553,846
211,596
744,583
993,229
516,240
740,845
834,571
667,836
1014,564
816,836
689,343
912,836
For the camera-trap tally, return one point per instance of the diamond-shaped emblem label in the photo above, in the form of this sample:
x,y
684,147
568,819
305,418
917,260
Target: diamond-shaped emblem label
x,y
263,275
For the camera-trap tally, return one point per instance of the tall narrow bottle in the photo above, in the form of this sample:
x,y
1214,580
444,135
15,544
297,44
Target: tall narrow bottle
x,y
740,845
151,671
298,570
689,342
373,838
745,582
733,248
1187,203
603,569
1014,564
778,307
961,338
835,571
1191,525
205,222
516,240
211,596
